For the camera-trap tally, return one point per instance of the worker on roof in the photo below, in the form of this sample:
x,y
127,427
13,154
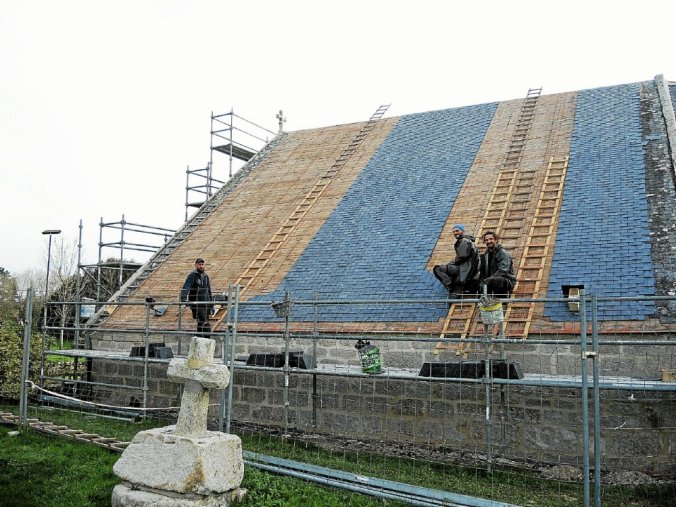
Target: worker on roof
x,y
496,267
196,292
461,275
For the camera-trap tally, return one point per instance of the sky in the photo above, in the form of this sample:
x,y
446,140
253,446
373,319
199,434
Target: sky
x,y
104,104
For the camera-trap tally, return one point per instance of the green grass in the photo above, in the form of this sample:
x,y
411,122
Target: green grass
x,y
41,471
54,344
57,472
505,485
37,470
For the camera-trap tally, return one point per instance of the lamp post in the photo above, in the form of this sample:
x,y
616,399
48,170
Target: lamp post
x,y
50,233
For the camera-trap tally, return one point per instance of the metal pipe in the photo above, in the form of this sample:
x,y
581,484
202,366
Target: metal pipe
x,y
98,270
101,384
145,359
585,396
25,362
121,274
341,478
286,365
225,341
333,302
78,289
50,233
597,402
233,341
339,484
488,399
231,122
187,189
314,366
145,229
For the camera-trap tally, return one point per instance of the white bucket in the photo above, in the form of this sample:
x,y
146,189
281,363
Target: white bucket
x,y
491,313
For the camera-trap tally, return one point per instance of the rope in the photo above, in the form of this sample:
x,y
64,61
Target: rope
x,y
99,405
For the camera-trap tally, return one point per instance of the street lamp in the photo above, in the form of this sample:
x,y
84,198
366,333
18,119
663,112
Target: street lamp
x,y
50,232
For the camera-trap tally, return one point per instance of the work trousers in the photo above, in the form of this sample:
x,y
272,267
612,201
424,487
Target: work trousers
x,y
201,314
448,275
498,286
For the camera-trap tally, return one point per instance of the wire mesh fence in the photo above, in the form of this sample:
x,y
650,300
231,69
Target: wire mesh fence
x,y
491,415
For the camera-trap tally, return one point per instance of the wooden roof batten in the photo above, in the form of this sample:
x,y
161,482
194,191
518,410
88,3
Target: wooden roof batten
x,y
291,223
134,282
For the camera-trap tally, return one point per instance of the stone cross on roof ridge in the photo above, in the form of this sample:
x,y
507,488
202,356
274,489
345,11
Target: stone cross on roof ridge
x,y
199,375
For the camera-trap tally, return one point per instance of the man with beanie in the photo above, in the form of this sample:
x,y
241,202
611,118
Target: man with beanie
x,y
461,274
497,267
196,292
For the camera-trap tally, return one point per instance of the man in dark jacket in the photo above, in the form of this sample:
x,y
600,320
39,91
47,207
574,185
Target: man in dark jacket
x,y
497,267
462,273
197,288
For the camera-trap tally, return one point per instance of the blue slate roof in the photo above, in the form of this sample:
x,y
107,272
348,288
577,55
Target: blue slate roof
x,y
376,243
601,240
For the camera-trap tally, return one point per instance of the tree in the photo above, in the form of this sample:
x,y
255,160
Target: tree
x,y
9,304
11,339
11,354
35,279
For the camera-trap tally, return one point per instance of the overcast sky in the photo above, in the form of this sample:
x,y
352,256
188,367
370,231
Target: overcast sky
x,y
103,104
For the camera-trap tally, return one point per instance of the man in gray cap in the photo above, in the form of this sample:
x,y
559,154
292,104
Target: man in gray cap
x,y
462,273
196,292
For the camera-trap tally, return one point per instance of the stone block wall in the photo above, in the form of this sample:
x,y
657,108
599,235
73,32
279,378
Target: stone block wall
x,y
528,422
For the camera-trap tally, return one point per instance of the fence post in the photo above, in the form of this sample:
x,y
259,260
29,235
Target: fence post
x,y
25,363
488,387
585,395
145,360
287,369
233,340
597,401
225,350
315,338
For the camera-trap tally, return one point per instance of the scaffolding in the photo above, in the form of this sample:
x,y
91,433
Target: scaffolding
x,y
127,236
521,418
239,141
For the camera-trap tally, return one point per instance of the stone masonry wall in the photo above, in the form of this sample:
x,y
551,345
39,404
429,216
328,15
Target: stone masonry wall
x,y
537,423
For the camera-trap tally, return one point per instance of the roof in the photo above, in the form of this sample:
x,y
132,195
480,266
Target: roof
x,y
583,181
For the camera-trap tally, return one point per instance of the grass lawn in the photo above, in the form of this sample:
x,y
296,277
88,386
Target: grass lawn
x,y
38,470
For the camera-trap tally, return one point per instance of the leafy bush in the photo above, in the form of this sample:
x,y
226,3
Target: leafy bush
x,y
11,353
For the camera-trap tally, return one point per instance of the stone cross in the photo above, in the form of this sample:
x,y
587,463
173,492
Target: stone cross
x,y
185,465
199,375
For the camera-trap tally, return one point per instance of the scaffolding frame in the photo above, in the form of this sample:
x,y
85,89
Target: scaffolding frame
x,y
239,141
121,265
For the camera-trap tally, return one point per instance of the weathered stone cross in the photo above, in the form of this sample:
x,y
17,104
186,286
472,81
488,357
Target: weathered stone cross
x,y
184,465
199,375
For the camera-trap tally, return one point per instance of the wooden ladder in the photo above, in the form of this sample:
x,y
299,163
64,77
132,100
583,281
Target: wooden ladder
x,y
524,123
272,247
462,317
506,209
531,271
